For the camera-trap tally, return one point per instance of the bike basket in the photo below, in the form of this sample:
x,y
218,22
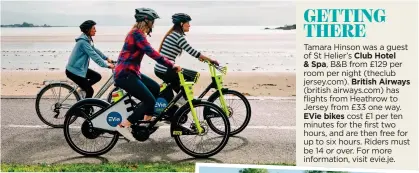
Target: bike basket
x,y
190,75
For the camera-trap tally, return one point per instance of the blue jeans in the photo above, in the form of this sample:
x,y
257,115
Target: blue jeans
x,y
144,89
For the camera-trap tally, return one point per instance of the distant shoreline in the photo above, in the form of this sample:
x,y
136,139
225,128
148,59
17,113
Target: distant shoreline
x,y
13,26
286,27
28,25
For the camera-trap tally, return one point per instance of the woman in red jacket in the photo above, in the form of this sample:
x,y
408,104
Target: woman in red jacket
x,y
127,72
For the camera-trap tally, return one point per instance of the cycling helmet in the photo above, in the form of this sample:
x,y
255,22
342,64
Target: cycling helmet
x,y
180,18
145,13
87,25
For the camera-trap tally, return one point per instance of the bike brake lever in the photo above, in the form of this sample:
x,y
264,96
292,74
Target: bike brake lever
x,y
221,69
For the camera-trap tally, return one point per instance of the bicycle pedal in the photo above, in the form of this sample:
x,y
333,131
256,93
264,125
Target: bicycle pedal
x,y
126,140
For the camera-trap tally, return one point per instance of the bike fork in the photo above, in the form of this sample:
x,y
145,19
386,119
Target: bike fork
x,y
189,96
223,103
222,100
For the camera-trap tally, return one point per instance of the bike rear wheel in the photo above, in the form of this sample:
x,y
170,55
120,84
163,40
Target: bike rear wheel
x,y
87,131
54,117
181,128
239,117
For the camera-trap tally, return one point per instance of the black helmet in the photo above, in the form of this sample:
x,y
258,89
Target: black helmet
x,y
145,13
87,25
180,18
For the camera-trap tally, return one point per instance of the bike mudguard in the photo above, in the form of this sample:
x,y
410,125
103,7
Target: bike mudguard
x,y
112,116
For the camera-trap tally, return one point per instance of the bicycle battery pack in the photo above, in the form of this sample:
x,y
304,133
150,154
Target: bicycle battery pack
x,y
110,118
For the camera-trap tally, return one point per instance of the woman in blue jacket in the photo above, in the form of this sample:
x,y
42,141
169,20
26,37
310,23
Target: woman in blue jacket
x,y
77,68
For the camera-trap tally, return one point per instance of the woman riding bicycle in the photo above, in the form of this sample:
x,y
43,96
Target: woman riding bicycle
x,y
77,68
127,72
171,46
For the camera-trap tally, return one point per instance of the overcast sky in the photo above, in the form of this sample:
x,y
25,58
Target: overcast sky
x,y
121,13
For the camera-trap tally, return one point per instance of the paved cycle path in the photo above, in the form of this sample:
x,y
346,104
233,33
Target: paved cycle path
x,y
269,138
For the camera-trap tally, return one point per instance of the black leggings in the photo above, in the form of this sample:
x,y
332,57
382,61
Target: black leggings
x,y
144,89
172,77
85,84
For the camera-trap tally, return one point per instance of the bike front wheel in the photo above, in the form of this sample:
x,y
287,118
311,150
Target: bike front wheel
x,y
51,102
184,130
238,107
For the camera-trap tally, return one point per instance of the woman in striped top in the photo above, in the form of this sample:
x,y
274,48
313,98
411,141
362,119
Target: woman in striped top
x,y
172,45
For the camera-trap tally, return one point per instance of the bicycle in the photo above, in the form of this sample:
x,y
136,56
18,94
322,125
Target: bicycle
x,y
217,84
111,114
59,104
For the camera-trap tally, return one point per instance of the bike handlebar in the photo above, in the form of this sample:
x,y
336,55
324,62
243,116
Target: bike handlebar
x,y
216,66
212,63
114,63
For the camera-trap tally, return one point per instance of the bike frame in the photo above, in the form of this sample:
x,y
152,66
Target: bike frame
x,y
190,97
99,94
105,87
217,83
189,94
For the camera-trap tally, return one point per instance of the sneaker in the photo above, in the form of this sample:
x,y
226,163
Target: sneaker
x,y
124,131
158,124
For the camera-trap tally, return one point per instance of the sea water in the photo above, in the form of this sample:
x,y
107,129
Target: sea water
x,y
241,48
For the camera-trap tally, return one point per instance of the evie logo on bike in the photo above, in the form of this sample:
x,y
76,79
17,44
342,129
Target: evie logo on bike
x,y
114,118
160,105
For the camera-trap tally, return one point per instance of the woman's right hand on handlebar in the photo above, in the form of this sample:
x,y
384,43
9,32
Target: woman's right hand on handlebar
x,y
215,62
177,68
212,61
111,66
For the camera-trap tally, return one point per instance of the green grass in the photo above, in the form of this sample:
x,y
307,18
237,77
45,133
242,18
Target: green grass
x,y
105,167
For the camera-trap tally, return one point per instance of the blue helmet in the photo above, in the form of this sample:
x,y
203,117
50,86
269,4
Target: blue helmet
x,y
180,18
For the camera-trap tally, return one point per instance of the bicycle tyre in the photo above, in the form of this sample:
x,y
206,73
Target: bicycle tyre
x,y
186,109
72,110
39,97
216,95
